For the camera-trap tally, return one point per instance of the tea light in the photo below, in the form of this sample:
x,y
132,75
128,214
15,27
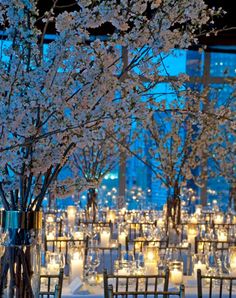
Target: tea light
x,y
71,214
176,272
76,265
92,279
192,233
99,278
201,266
219,218
105,235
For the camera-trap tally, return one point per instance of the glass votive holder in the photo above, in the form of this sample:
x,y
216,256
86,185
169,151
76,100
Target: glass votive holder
x,y
232,259
199,262
54,261
92,278
176,272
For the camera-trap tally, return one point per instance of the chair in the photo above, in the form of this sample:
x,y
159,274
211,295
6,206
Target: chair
x,y
138,286
217,286
49,290
205,245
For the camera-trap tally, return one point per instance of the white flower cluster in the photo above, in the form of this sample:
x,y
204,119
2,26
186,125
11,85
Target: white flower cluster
x,y
58,97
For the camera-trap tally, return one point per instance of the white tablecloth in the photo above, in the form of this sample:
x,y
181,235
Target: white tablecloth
x,y
98,291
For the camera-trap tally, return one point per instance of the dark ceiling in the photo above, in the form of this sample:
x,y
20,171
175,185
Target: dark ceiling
x,y
224,37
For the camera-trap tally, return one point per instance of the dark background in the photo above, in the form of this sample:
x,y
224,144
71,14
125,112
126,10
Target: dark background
x,y
226,37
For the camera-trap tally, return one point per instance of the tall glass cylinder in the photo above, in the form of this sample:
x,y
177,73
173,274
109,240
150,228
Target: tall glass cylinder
x,y
20,254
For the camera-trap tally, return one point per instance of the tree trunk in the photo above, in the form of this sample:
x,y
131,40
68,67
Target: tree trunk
x,y
174,207
92,204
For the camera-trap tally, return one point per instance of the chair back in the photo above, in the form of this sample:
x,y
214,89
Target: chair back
x,y
217,286
50,280
136,285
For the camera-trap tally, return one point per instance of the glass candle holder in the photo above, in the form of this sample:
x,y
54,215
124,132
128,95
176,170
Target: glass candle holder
x,y
199,262
232,258
218,218
111,215
71,215
222,235
105,236
76,264
176,272
151,257
55,261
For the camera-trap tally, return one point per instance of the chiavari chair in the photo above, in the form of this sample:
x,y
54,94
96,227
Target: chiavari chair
x,y
216,286
51,285
206,245
138,286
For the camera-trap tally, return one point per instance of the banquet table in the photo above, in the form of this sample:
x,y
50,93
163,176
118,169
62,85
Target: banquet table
x,y
98,291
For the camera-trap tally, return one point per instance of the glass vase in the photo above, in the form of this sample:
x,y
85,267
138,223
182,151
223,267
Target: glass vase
x,y
20,254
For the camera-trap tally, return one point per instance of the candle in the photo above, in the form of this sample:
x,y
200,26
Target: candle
x,y
192,233
151,268
92,279
111,215
105,235
53,268
151,259
198,209
201,266
232,258
176,272
122,238
176,276
76,265
50,219
219,218
71,214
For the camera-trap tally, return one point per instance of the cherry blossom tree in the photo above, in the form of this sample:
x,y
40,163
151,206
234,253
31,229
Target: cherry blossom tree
x,y
90,165
55,99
